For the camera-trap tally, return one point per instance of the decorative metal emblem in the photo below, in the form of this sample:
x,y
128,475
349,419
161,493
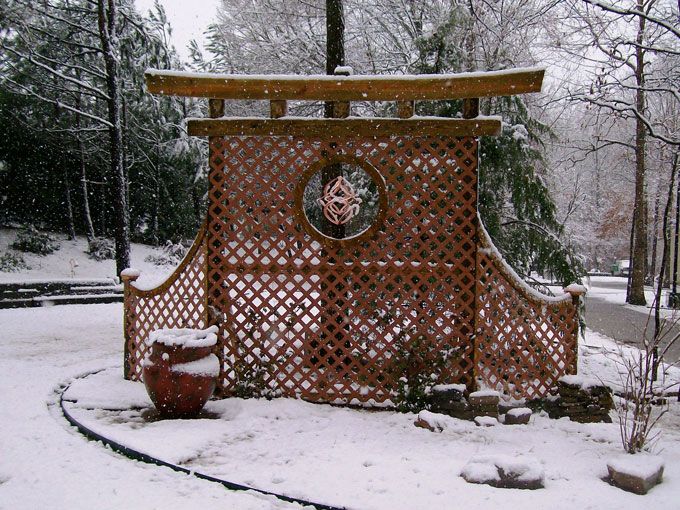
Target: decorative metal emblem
x,y
339,201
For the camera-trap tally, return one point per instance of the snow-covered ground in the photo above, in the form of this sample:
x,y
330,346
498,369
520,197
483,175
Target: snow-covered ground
x,y
71,261
339,456
344,457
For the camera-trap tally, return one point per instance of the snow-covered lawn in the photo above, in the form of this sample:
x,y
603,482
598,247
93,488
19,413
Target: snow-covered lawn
x,y
58,266
358,459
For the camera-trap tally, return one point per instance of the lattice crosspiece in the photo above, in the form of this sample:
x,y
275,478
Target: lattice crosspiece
x,y
329,321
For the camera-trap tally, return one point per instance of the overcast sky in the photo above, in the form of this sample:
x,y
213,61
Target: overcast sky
x,y
188,18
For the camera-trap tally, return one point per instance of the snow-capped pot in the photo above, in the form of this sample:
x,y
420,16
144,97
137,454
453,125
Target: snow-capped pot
x,y
180,372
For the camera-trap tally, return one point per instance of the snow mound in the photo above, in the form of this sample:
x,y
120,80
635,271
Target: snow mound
x,y
584,383
184,337
486,421
505,471
208,366
519,411
639,465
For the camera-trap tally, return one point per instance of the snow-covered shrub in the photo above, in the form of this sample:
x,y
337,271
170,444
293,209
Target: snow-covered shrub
x,y
417,365
171,255
31,240
11,262
643,380
101,248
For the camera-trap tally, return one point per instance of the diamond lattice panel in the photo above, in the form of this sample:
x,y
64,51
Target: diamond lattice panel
x,y
179,303
327,323
524,343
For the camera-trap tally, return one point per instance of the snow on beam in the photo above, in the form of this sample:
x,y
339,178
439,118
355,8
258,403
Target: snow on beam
x,y
346,88
371,127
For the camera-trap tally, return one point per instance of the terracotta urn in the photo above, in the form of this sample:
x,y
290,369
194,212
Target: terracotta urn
x,y
181,371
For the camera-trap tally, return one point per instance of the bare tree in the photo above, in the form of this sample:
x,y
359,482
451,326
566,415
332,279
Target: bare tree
x,y
628,41
65,61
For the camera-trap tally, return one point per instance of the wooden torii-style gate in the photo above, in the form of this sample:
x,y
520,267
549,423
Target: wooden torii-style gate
x,y
343,257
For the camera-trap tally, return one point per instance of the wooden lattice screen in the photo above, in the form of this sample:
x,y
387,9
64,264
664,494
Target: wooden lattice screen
x,y
422,291
179,302
324,323
422,275
524,341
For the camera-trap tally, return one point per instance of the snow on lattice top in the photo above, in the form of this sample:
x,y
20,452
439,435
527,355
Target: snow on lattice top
x,y
491,250
184,337
208,366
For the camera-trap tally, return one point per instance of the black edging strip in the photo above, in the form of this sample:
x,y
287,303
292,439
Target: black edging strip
x,y
143,457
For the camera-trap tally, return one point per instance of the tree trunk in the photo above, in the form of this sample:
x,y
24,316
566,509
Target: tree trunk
x,y
655,236
636,295
332,303
335,56
89,227
658,328
108,37
69,205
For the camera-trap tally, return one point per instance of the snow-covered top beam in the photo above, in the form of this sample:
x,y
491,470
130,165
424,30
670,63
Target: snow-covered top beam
x,y
346,88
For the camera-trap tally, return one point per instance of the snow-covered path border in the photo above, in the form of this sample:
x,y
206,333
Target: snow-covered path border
x,y
133,454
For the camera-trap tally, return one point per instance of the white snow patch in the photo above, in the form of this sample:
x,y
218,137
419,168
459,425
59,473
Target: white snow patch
x,y
582,382
446,387
186,337
639,465
486,421
485,393
519,412
208,366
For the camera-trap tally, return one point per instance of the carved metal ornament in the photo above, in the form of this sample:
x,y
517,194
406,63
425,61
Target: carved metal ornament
x,y
339,202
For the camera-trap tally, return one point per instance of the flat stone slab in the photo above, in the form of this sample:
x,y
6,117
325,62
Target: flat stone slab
x,y
518,416
635,473
484,398
505,472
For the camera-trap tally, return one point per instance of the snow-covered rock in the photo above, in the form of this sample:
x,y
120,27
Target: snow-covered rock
x,y
505,471
635,473
518,416
486,421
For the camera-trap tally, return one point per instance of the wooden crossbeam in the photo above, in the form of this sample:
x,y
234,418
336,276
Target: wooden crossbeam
x,y
346,88
351,127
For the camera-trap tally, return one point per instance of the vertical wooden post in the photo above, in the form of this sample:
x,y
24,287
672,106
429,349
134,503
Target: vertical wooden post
x,y
213,289
471,108
406,109
278,108
127,277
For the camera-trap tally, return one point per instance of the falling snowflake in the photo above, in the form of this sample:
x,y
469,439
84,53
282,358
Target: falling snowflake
x,y
339,201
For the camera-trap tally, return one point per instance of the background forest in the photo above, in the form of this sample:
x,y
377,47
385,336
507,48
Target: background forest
x,y
579,177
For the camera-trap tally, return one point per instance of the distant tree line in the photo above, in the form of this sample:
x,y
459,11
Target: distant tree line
x,y
83,148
